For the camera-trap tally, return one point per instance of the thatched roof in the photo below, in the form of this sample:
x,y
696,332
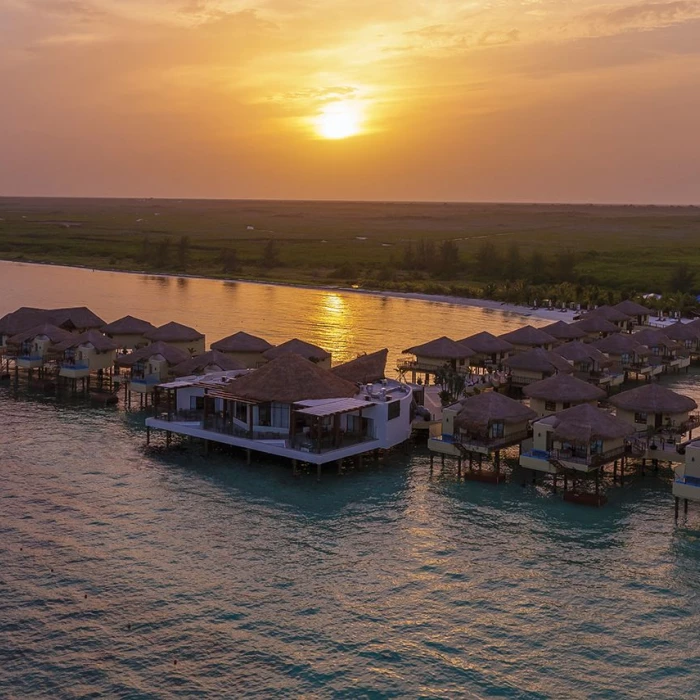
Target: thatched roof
x,y
288,379
442,348
486,343
576,351
654,337
528,335
609,313
53,333
563,388
564,331
173,356
100,342
584,423
174,333
682,331
75,317
128,325
632,308
596,324
539,360
653,398
620,343
297,347
363,369
213,361
479,411
241,342
20,320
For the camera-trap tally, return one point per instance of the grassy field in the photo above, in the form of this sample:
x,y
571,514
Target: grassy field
x,y
621,248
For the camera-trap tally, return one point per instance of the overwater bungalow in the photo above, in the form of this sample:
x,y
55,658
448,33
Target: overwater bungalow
x,y
206,363
612,314
653,408
291,407
128,332
82,355
482,425
627,354
564,332
18,321
534,365
151,365
590,364
308,351
638,314
31,348
685,333
559,392
178,336
364,369
579,441
528,338
596,327
489,349
434,356
665,352
245,348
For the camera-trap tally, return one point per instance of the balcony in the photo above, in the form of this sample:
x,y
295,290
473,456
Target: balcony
x,y
486,445
30,361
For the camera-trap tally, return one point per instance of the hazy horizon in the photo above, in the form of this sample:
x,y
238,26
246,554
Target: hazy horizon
x,y
516,102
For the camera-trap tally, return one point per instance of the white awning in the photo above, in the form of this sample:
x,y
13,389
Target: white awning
x,y
330,408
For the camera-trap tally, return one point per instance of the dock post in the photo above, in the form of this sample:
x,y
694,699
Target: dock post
x,y
554,482
206,446
432,457
318,472
148,435
677,499
248,457
295,471
685,506
459,467
167,438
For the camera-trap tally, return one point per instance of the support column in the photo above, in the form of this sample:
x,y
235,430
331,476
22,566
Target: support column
x,y
318,472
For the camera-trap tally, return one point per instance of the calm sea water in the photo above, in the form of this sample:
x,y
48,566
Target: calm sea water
x,y
116,563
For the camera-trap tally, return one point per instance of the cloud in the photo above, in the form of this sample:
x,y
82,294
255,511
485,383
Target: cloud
x,y
645,15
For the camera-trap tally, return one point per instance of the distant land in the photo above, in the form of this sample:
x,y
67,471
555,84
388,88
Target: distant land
x,y
513,252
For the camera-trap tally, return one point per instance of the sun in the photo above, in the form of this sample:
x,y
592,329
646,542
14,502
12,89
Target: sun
x,y
339,121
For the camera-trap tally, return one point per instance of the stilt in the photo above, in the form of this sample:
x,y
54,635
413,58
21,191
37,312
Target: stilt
x,y
685,506
554,482
206,447
432,457
677,499
615,472
459,467
318,472
168,437
248,459
339,465
148,435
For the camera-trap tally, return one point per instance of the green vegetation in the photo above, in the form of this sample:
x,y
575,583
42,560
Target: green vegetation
x,y
515,253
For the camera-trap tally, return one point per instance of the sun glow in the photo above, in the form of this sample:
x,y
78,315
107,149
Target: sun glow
x,y
339,121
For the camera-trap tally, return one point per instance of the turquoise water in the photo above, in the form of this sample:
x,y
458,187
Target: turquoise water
x,y
117,562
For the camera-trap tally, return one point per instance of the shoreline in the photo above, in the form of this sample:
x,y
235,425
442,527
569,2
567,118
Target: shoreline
x,y
545,314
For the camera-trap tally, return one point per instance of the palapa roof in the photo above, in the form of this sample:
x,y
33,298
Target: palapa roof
x,y
486,343
539,360
363,369
528,335
442,348
632,308
100,342
53,333
20,320
297,347
653,337
585,423
596,324
241,342
288,379
653,398
76,316
479,411
173,355
563,388
620,343
128,325
206,361
174,333
609,313
576,351
682,331
564,331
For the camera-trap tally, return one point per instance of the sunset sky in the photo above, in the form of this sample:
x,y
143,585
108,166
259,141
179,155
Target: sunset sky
x,y
500,100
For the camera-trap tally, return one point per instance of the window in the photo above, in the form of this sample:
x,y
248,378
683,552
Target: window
x,y
196,403
566,404
550,406
597,447
496,430
394,410
640,418
625,358
240,410
280,415
264,414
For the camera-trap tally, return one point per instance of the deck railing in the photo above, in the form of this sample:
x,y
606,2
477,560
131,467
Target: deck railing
x,y
593,460
491,443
